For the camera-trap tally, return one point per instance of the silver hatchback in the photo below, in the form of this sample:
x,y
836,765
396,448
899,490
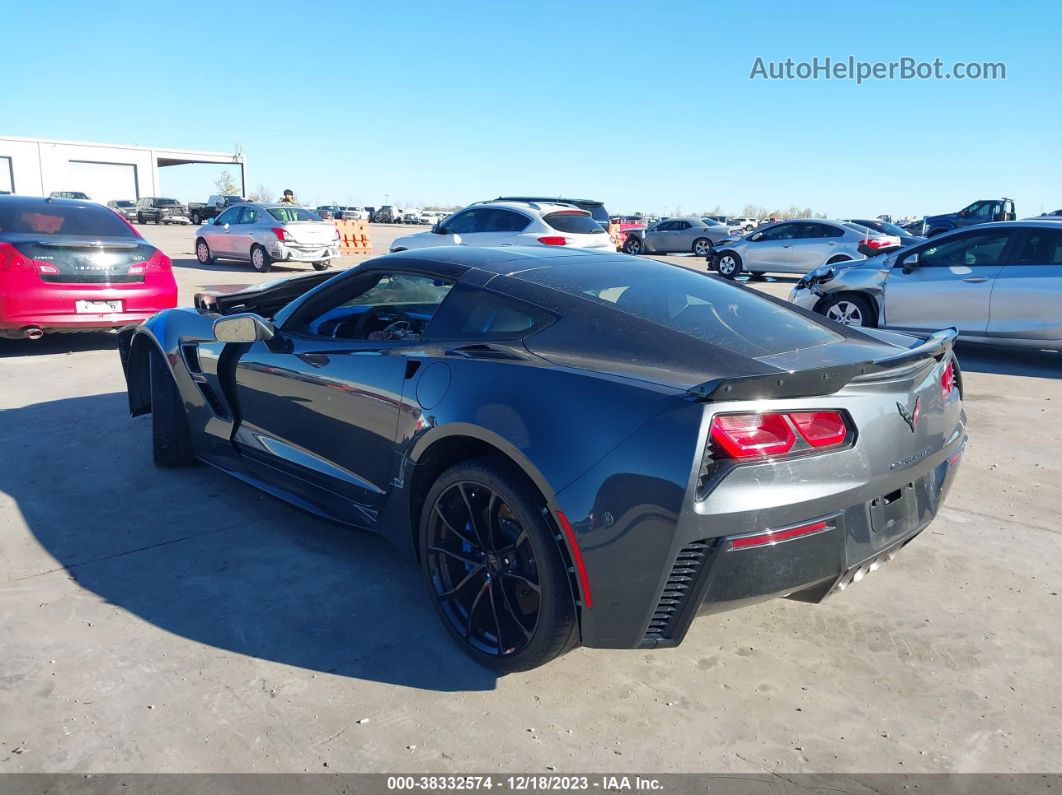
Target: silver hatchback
x,y
795,247
998,283
266,233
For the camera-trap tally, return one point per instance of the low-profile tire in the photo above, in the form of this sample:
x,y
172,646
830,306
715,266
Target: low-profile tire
x,y
849,309
203,253
838,258
260,259
729,265
702,247
171,442
322,266
633,245
493,567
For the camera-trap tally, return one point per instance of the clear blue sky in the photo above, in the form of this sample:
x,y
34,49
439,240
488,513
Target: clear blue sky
x,y
646,106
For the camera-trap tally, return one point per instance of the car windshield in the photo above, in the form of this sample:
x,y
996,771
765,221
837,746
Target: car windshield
x,y
288,214
890,229
124,204
863,230
83,220
688,302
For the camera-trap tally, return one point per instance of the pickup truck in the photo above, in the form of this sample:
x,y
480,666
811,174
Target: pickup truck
x,y
160,210
981,211
198,213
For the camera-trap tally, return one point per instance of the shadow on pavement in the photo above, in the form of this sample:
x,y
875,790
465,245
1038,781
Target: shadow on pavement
x,y
1008,361
201,555
58,344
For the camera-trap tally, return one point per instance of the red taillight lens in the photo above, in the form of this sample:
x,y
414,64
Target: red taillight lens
x,y
11,259
553,240
281,234
159,263
947,380
877,243
820,428
753,435
772,537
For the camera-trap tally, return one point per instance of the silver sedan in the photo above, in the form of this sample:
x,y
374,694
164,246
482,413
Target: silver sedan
x,y
997,283
676,235
796,247
266,233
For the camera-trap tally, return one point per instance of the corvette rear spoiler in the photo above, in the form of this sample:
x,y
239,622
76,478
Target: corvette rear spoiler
x,y
824,380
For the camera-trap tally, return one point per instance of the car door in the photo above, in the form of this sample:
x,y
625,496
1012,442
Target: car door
x,y
1026,299
685,234
813,245
319,404
218,234
241,231
769,250
949,282
460,229
659,237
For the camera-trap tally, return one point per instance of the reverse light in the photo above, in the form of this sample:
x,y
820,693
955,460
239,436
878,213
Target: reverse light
x,y
769,435
771,537
947,381
553,240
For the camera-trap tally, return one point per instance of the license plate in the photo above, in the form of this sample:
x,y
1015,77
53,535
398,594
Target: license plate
x,y
98,307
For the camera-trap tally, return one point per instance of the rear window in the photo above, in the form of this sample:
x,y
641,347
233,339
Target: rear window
x,y
598,213
41,218
289,214
473,313
577,223
691,303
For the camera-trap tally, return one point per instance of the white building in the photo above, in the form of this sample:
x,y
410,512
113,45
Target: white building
x,y
37,167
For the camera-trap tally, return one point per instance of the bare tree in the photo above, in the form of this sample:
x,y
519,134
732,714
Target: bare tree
x,y
261,194
226,185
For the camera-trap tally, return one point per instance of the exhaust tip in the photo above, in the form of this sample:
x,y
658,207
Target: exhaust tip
x,y
32,333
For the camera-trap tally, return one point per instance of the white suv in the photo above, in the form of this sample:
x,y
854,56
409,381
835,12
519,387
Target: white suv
x,y
513,223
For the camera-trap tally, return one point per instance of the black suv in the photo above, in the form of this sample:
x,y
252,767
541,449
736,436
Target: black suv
x,y
161,211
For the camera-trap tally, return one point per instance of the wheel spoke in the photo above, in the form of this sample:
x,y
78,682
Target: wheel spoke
x,y
472,518
497,622
521,578
472,609
468,577
512,610
454,555
452,529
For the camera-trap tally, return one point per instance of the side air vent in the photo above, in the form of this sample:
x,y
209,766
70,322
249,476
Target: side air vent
x,y
680,582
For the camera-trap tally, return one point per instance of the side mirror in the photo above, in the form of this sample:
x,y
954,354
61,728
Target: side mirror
x,y
756,237
247,327
438,229
910,263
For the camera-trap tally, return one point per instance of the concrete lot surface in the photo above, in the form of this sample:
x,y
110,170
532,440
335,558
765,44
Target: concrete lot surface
x,y
178,620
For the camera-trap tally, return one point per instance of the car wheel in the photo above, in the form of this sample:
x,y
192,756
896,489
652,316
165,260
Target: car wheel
x,y
494,569
140,218
202,252
194,218
322,266
838,258
702,247
260,259
729,265
171,442
633,245
849,309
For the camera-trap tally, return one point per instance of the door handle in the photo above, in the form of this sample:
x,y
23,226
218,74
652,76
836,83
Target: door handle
x,y
313,359
786,245
975,279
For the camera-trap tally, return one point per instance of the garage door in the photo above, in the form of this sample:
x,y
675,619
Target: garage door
x,y
103,182
6,178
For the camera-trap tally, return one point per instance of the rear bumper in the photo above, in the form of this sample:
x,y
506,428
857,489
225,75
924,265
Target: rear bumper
x,y
289,253
53,307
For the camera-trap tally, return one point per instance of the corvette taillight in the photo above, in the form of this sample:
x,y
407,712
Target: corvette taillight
x,y
947,380
775,434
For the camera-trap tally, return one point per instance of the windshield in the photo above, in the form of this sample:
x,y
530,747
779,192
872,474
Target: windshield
x,y
691,303
58,219
289,214
890,229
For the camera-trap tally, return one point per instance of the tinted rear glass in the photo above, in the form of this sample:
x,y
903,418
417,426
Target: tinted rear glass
x,y
575,223
82,220
289,214
691,303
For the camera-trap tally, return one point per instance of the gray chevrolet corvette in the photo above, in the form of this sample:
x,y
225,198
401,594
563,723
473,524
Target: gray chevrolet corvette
x,y
575,448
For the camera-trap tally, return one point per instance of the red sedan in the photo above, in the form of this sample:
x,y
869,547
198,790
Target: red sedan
x,y
75,266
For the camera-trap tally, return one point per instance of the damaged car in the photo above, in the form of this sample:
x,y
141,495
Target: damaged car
x,y
997,284
575,448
